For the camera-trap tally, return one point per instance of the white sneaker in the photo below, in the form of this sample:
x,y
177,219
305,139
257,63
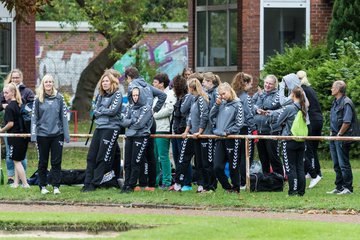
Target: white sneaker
x,y
335,191
314,181
344,192
307,176
44,191
200,189
243,187
25,186
56,191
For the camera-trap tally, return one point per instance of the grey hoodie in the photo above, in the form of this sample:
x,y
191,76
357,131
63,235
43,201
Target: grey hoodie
x,y
285,119
247,104
108,111
149,92
228,117
49,119
290,81
199,116
265,101
213,95
138,118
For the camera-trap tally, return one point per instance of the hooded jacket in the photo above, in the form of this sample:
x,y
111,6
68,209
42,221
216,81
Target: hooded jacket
x,y
290,81
199,116
265,101
108,110
138,118
49,119
246,102
149,92
213,95
284,121
228,117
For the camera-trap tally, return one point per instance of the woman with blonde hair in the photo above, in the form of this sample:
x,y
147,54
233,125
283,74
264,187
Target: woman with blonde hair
x,y
49,128
312,163
228,118
107,112
27,96
12,120
197,124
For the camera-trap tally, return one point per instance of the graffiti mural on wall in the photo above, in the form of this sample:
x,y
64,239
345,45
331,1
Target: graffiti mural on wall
x,y
171,58
66,71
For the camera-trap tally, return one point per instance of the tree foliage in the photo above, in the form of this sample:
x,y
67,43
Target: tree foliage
x,y
120,22
23,9
345,22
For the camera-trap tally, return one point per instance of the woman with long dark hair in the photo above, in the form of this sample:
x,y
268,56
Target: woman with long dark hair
x,y
293,150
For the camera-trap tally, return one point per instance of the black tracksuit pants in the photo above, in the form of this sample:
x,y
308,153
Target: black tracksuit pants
x,y
294,166
202,148
312,164
100,158
228,151
135,149
45,145
269,156
148,168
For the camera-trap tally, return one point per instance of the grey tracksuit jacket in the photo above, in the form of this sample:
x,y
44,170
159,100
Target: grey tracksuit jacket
x,y
108,111
199,116
186,105
213,95
49,119
265,101
138,118
247,105
149,92
228,117
284,121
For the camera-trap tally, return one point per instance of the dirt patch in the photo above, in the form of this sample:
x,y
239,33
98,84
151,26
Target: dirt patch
x,y
346,217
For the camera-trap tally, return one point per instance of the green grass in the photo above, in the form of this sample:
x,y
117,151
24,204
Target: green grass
x,y
76,159
197,227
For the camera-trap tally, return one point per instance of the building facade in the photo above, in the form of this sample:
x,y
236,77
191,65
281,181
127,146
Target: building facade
x,y
227,36
17,46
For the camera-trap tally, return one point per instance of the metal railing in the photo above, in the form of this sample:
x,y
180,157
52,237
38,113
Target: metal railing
x,y
246,137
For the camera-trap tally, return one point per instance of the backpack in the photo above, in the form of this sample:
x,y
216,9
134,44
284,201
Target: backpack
x,y
299,127
25,113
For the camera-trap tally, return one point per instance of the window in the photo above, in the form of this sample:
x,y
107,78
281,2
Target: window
x,y
283,23
216,35
7,40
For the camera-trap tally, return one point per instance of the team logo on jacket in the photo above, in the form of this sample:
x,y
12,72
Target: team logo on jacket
x,y
204,144
106,142
138,143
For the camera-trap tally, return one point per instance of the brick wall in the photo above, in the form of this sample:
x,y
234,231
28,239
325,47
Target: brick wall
x,y
25,49
65,54
320,18
249,32
250,36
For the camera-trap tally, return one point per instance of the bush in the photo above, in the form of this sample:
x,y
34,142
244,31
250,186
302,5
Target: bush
x,y
323,69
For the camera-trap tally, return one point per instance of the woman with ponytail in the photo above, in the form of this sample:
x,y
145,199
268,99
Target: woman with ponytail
x,y
12,120
293,151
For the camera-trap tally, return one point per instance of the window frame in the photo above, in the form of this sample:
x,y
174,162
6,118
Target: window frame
x,y
208,8
8,17
305,4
